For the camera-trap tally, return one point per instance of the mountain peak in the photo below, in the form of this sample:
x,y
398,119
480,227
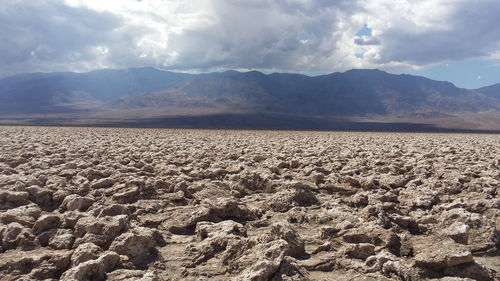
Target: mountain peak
x,y
234,72
366,73
365,70
230,72
254,72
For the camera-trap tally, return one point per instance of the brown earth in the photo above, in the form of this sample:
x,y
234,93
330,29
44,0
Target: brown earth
x,y
144,204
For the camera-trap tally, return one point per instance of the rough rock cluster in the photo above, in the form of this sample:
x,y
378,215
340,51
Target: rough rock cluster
x,y
151,204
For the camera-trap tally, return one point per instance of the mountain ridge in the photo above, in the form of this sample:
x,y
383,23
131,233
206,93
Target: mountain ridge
x,y
141,93
349,93
492,90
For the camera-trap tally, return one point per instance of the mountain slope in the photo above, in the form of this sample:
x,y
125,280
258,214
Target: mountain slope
x,y
352,93
69,92
491,91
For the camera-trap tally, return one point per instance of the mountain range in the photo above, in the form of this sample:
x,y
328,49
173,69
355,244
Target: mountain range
x,y
355,99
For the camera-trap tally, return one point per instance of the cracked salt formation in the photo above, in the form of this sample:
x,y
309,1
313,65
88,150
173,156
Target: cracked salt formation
x,y
158,204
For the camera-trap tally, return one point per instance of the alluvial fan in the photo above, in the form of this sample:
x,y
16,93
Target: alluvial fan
x,y
161,204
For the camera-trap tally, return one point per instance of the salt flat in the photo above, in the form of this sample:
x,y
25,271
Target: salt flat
x,y
160,204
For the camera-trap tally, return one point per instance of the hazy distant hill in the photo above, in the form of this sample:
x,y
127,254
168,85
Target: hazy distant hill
x,y
66,92
142,93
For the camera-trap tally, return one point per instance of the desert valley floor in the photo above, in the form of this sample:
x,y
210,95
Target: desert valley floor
x,y
160,204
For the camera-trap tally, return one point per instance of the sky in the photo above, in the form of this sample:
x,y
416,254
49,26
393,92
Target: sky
x,y
452,40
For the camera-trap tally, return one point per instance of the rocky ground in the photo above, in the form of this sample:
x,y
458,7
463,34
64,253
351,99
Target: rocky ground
x,y
137,204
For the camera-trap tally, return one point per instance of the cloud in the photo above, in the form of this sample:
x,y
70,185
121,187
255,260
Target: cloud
x,y
48,35
287,35
366,40
429,31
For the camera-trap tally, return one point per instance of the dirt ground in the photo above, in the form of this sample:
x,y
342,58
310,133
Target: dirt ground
x,y
164,204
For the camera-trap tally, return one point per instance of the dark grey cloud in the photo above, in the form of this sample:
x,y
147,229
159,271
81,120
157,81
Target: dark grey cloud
x,y
286,35
291,35
366,40
470,30
47,35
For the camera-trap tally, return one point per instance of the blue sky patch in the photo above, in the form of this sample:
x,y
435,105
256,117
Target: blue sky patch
x,y
470,74
364,31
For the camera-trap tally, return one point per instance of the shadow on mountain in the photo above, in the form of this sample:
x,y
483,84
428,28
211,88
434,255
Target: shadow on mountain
x,y
261,121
